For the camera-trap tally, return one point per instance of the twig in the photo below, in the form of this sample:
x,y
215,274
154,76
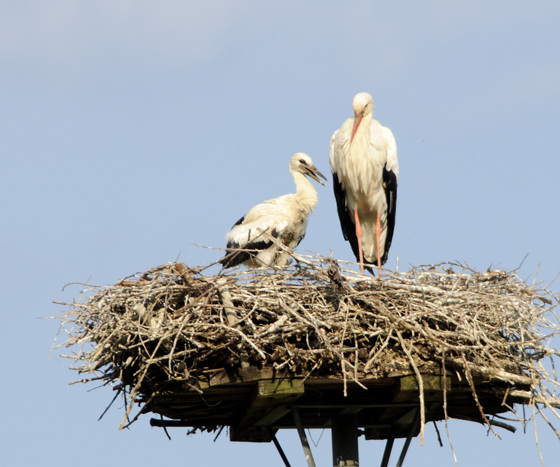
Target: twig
x,y
420,386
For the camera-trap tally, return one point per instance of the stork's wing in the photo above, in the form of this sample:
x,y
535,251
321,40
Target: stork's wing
x,y
390,182
390,186
392,160
254,232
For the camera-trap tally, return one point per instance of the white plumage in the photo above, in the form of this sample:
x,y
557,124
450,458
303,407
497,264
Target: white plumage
x,y
260,237
363,160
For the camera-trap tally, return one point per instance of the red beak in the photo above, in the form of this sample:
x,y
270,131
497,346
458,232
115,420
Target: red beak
x,y
357,120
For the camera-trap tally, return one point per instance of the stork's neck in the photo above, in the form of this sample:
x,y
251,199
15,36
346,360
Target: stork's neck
x,y
305,192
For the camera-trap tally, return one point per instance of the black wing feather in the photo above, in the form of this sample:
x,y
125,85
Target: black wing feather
x,y
237,254
390,185
239,221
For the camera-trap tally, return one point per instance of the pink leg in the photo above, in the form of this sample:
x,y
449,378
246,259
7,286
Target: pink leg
x,y
378,242
359,237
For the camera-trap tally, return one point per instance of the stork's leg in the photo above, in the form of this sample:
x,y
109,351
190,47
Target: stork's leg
x,y
359,237
378,242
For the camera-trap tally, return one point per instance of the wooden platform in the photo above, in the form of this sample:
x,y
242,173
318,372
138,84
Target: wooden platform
x,y
256,403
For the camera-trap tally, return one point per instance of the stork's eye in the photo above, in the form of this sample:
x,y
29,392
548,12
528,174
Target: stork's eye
x,y
302,161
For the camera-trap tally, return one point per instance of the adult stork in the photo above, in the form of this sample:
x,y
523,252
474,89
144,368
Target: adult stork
x,y
365,170
267,234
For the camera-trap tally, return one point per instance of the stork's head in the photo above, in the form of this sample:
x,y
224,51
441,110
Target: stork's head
x,y
363,105
302,163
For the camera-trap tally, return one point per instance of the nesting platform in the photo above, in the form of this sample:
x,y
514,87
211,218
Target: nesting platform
x,y
255,404
257,350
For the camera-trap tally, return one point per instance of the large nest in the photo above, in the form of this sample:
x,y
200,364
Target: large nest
x,y
173,329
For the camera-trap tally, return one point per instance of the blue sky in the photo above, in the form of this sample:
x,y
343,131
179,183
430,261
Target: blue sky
x,y
131,129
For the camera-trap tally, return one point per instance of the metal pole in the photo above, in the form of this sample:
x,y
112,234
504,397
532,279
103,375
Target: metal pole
x,y
404,451
387,452
413,427
303,438
345,441
280,451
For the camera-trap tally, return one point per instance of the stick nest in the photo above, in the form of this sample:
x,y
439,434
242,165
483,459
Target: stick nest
x,y
173,328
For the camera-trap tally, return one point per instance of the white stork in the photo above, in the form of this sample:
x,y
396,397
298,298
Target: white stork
x,y
365,170
262,236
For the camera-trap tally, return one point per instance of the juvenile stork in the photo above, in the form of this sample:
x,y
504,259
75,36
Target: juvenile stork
x,y
267,234
363,160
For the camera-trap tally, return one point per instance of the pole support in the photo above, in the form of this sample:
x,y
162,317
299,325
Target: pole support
x,y
345,440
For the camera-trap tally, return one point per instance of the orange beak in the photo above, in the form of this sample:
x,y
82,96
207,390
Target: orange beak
x,y
357,120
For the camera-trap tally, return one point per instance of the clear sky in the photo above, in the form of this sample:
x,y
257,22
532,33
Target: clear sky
x,y
132,129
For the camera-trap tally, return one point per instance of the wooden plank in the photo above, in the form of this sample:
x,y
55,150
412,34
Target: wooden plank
x,y
409,387
272,416
285,389
253,434
430,383
241,376
264,408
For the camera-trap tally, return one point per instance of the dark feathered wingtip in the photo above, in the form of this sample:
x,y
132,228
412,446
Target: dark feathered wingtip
x,y
234,258
235,255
